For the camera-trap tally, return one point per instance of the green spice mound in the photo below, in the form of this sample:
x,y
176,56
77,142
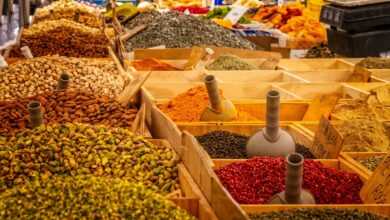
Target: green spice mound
x,y
230,62
86,197
81,149
318,214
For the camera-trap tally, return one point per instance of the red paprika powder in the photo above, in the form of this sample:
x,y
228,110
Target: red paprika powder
x,y
256,180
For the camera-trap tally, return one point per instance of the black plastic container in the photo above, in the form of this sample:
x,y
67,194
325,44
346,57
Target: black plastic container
x,y
360,44
356,19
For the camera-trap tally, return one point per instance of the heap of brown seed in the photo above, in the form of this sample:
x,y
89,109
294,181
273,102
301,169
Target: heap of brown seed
x,y
64,37
66,106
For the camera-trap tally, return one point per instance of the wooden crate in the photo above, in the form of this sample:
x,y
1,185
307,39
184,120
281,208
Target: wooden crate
x,y
381,74
383,209
242,76
352,158
367,87
189,196
314,64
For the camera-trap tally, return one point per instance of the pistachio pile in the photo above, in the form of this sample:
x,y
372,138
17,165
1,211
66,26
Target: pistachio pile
x,y
64,37
66,106
87,197
71,10
40,75
80,149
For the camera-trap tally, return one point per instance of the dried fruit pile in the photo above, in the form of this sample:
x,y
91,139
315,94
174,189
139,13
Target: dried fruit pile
x,y
371,163
375,63
318,214
224,144
256,180
190,105
39,75
176,30
86,197
80,149
66,106
64,37
71,10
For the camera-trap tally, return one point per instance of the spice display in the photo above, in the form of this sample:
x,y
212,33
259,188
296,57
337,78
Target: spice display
x,y
375,63
230,62
224,144
152,64
176,30
64,37
66,106
363,136
38,75
321,51
86,197
353,109
71,10
371,163
192,9
276,16
318,214
221,13
81,149
256,180
189,106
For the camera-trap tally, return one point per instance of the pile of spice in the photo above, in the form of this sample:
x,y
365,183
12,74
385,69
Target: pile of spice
x,y
375,63
66,106
40,75
177,30
230,62
321,51
224,144
152,64
64,37
371,163
353,109
317,214
71,10
256,180
86,197
190,105
81,149
364,136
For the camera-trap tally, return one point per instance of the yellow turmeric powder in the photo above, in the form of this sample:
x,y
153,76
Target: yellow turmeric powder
x,y
190,105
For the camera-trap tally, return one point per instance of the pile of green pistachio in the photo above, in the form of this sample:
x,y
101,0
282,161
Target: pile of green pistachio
x,y
86,197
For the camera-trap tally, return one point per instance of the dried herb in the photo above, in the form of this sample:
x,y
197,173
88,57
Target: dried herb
x,y
224,144
176,30
86,197
256,180
318,214
321,51
80,149
371,163
229,62
375,63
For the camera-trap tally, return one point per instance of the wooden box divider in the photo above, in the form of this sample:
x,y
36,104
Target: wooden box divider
x,y
314,64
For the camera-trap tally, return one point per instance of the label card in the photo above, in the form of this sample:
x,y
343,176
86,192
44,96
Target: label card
x,y
235,14
328,141
377,189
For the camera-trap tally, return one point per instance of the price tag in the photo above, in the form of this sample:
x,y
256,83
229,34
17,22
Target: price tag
x,y
328,141
377,189
26,52
383,94
235,14
3,63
